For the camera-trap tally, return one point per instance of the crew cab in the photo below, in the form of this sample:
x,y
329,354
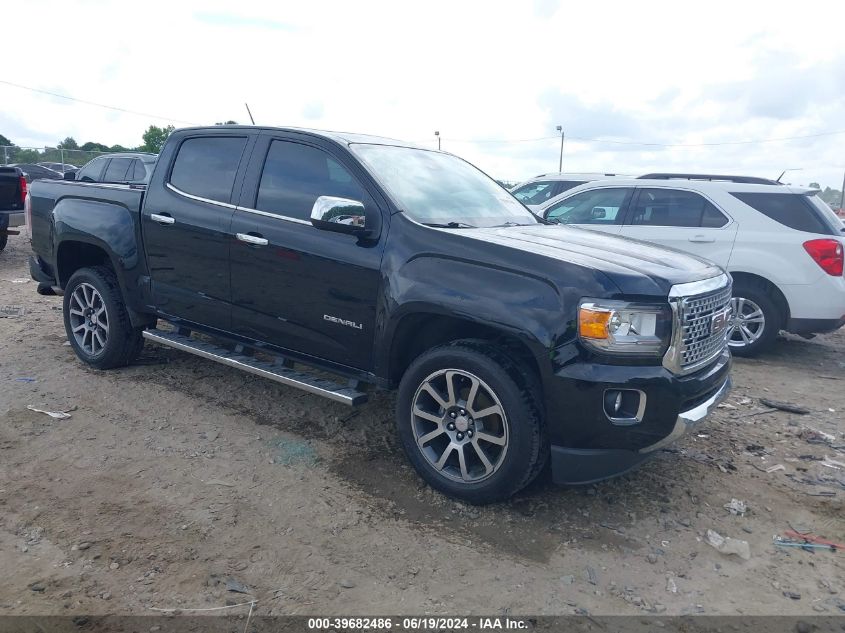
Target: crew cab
x,y
511,341
12,195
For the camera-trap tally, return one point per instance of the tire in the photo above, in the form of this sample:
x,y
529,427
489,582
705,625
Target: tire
x,y
512,438
96,320
4,239
759,332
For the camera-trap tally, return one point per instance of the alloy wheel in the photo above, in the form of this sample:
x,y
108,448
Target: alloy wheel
x,y
89,320
459,425
747,322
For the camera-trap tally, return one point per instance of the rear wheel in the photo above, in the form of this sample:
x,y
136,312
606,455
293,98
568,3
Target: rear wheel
x,y
755,322
4,239
469,423
96,320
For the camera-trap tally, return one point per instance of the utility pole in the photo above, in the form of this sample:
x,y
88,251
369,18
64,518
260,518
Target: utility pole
x,y
437,134
559,128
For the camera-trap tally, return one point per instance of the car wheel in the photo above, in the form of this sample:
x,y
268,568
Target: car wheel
x,y
755,320
96,320
469,422
4,239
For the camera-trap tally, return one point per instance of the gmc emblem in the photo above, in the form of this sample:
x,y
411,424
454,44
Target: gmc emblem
x,y
719,321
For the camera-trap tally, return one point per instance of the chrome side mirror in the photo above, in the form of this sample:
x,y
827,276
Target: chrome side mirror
x,y
339,214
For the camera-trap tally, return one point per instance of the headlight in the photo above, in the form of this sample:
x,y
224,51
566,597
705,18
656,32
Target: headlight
x,y
618,327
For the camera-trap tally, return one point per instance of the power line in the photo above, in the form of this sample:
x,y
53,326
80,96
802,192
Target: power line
x,y
94,103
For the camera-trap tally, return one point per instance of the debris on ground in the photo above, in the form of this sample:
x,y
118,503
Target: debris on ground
x,y
814,436
58,415
291,452
832,463
11,312
236,586
774,469
784,406
26,379
807,537
728,546
736,507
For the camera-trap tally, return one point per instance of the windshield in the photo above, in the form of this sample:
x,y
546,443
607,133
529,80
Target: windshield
x,y
441,189
538,192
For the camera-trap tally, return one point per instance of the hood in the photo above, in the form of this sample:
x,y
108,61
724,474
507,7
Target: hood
x,y
636,267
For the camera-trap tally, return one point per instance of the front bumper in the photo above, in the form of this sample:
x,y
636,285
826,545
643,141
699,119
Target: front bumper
x,y
587,446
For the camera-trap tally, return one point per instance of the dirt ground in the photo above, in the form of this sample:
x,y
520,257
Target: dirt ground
x,y
177,480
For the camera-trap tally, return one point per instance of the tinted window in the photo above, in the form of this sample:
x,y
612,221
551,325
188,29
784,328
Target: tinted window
x,y
296,175
137,173
206,167
672,207
599,206
790,209
92,171
116,171
541,191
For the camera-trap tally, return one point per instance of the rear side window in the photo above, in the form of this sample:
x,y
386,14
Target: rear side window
x,y
136,171
790,209
92,171
673,207
116,171
295,175
206,167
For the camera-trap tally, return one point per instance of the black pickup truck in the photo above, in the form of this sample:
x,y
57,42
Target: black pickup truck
x,y
12,196
512,343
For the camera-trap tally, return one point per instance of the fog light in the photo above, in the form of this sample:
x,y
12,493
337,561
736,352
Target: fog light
x,y
624,406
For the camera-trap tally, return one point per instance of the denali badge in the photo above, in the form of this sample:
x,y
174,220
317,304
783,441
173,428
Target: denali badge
x,y
719,322
333,319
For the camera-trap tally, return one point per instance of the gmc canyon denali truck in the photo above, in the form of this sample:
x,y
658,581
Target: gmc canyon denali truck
x,y
511,342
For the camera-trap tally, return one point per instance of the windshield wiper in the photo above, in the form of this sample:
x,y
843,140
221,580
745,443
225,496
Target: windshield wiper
x,y
509,223
449,225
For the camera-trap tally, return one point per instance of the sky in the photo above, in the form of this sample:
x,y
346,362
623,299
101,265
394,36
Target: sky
x,y
636,86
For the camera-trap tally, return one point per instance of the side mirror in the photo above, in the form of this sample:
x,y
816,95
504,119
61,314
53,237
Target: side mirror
x,y
599,213
69,175
340,215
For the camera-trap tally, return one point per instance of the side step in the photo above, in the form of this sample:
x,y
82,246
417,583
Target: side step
x,y
278,372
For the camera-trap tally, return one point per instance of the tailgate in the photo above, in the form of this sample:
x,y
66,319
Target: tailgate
x,y
10,195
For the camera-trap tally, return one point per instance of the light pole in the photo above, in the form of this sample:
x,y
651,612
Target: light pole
x,y
437,134
559,128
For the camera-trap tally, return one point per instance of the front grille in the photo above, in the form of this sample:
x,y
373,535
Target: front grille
x,y
698,342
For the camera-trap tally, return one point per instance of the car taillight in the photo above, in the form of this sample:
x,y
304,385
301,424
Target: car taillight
x,y
27,215
827,254
23,189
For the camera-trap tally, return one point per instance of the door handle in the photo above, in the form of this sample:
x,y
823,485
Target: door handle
x,y
255,240
162,218
702,239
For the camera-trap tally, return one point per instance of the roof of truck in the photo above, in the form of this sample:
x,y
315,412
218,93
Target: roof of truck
x,y
346,138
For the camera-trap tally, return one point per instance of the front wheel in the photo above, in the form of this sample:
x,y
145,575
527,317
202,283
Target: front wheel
x,y
469,422
755,322
96,320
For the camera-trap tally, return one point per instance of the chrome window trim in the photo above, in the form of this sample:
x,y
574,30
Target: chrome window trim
x,y
267,214
200,198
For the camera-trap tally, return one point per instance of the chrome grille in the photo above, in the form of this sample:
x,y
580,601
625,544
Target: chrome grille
x,y
698,343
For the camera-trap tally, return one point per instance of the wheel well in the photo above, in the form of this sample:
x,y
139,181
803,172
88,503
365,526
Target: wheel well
x,y
75,255
418,333
771,289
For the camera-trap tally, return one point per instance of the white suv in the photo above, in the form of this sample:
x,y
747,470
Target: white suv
x,y
782,244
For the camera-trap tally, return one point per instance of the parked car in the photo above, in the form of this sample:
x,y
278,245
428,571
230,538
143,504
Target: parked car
x,y
533,193
782,245
511,342
122,168
12,195
31,171
59,167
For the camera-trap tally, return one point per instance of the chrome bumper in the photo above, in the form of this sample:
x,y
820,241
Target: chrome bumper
x,y
688,420
16,219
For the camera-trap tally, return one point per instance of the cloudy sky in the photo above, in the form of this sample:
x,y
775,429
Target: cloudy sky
x,y
637,86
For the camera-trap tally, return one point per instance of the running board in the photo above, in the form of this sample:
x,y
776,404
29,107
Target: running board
x,y
274,371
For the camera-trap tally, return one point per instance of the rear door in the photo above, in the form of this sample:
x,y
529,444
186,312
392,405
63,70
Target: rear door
x,y
681,219
293,285
602,208
185,223
93,171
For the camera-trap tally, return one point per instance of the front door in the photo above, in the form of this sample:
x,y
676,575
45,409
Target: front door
x,y
185,226
293,285
681,219
601,208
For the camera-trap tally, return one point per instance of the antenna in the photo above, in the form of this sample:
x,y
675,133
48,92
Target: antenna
x,y
249,113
